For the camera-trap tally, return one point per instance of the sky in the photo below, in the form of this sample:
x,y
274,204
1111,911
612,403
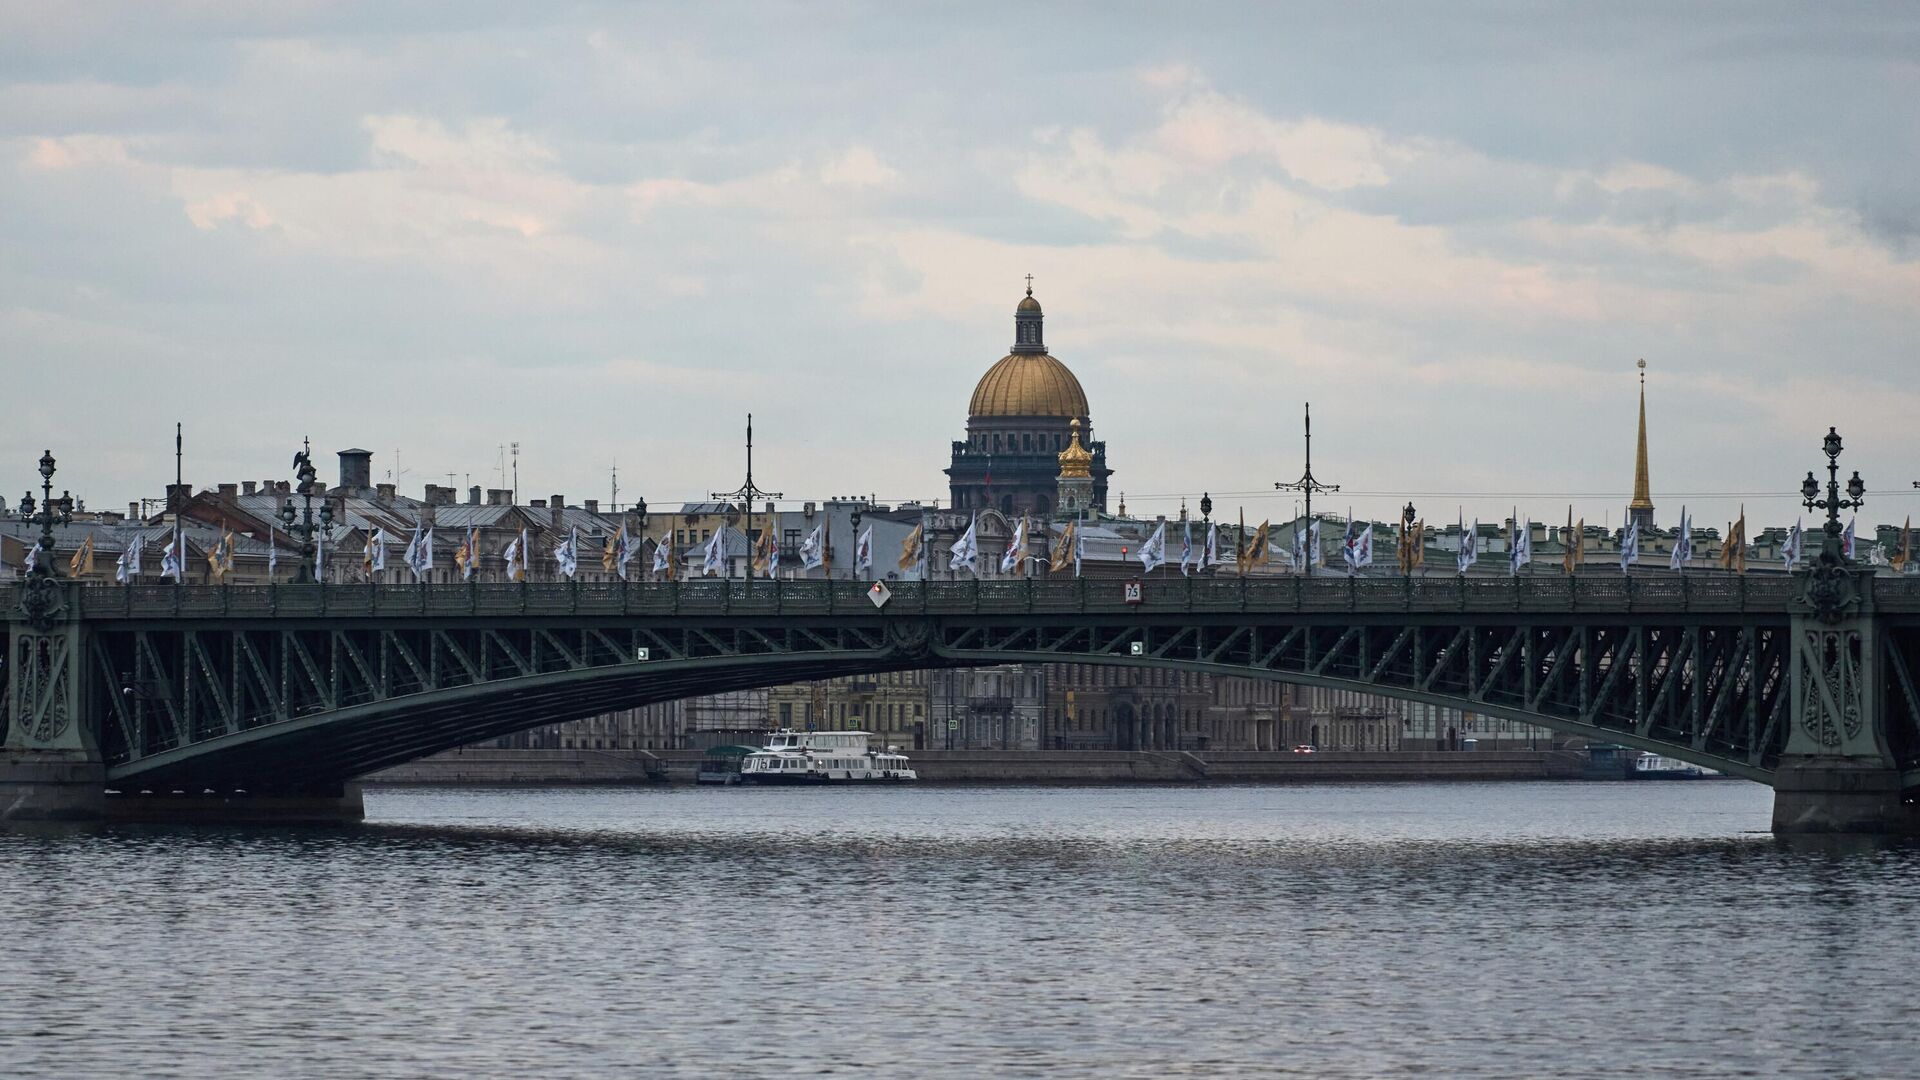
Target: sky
x,y
608,231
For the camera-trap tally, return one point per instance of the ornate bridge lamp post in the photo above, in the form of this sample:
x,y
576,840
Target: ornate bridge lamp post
x,y
52,512
1206,522
305,528
853,571
1830,550
639,513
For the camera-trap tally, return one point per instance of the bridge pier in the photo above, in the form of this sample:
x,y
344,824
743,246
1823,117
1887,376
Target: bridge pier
x,y
52,785
1841,795
332,804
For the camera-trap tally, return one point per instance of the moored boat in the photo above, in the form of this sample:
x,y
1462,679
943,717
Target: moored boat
x,y
1655,767
823,757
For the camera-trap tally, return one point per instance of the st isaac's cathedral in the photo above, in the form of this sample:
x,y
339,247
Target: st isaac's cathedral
x,y
1023,416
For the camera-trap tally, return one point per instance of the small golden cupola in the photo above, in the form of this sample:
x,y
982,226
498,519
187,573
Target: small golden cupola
x,y
1076,461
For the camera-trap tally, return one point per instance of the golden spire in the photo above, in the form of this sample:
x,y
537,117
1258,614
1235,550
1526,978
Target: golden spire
x,y
1642,490
1076,461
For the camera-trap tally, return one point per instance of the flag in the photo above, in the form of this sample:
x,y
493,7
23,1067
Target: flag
x,y
1359,552
127,567
1016,546
273,555
1299,556
1346,543
518,556
913,548
1520,547
1682,542
1846,539
173,557
1791,550
81,565
766,553
813,548
566,554
966,550
1063,550
1469,544
1413,547
1630,546
1186,545
863,551
374,558
1079,550
220,557
1255,553
1573,540
320,555
610,551
1905,555
1153,553
1211,557
1733,553
467,555
715,561
663,558
419,552
1314,550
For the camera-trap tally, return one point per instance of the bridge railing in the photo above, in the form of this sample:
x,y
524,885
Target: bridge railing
x,y
1545,593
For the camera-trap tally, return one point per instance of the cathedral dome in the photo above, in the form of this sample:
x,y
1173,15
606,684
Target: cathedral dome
x,y
1028,384
1028,381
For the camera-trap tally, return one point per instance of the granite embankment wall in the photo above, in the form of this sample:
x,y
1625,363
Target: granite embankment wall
x,y
514,767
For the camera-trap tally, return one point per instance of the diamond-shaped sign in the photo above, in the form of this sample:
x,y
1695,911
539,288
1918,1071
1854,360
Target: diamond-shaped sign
x,y
879,594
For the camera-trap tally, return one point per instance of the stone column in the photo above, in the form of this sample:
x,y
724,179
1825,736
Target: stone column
x,y
50,769
1837,774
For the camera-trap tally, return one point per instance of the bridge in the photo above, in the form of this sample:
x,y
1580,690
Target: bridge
x,y
290,691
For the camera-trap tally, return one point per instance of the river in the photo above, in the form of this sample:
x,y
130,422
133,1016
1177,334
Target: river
x,y
1500,930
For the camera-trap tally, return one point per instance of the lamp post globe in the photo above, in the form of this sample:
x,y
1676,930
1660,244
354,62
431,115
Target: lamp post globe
x,y
46,465
1206,506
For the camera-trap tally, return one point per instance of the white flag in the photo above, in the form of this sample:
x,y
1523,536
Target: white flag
x,y
1346,544
813,549
1212,555
377,550
419,552
716,559
863,551
1153,553
173,562
1186,546
1846,540
566,555
773,559
273,555
1469,544
320,555
1316,554
1520,545
511,556
1790,551
123,567
966,550
1298,559
1683,542
663,555
1079,550
1018,544
1360,550
1630,547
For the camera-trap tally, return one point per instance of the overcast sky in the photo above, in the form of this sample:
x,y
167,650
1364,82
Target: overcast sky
x,y
609,231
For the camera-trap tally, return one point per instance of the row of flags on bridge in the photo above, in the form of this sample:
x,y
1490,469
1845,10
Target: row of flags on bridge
x,y
1068,550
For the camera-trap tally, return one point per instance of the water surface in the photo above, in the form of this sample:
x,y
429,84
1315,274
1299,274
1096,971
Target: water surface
x,y
1517,930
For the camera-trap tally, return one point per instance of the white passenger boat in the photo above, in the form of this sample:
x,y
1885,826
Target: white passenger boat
x,y
1655,767
822,757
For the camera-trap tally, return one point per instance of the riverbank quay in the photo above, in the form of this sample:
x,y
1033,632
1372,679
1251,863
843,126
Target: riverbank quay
x,y
563,767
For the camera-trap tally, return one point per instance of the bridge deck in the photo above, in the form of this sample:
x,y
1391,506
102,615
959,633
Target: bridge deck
x,y
1557,594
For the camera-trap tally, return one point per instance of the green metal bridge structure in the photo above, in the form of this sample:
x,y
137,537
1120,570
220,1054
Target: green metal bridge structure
x,y
287,693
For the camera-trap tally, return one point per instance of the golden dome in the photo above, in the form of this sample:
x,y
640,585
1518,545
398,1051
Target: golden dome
x,y
1076,461
1028,303
1028,384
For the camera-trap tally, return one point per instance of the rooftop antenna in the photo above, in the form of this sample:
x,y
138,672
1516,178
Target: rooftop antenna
x,y
516,473
613,500
177,481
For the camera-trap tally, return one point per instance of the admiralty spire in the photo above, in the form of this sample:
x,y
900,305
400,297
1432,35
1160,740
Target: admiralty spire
x,y
1640,510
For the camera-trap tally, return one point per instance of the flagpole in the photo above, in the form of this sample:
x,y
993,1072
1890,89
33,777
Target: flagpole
x,y
1307,485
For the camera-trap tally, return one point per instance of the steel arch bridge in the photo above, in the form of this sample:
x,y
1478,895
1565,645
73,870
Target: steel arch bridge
x,y
291,688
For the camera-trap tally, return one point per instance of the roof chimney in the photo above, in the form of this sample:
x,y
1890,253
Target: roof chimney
x,y
356,469
499,496
385,492
473,495
246,487
593,506
229,492
558,504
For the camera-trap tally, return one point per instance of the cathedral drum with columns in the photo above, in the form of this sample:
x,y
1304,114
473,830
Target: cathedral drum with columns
x,y
1026,411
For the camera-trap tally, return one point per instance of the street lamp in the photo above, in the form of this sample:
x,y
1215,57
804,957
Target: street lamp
x,y
304,473
852,570
1830,551
52,511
